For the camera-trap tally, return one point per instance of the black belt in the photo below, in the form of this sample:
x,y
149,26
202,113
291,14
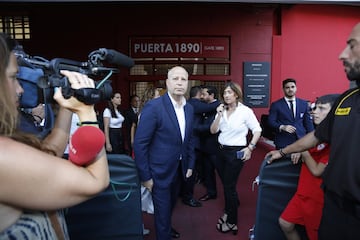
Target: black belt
x,y
225,147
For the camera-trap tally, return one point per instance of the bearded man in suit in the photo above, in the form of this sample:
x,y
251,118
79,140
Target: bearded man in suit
x,y
289,117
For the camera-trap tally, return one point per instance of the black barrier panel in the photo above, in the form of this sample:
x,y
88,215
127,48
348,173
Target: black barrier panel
x,y
116,212
277,184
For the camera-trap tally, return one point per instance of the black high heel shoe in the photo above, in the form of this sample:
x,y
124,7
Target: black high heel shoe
x,y
227,227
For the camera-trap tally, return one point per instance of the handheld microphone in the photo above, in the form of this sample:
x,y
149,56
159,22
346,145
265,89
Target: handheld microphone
x,y
85,144
114,57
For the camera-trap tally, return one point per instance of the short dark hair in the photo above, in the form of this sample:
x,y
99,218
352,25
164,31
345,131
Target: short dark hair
x,y
194,91
329,98
287,81
212,90
133,96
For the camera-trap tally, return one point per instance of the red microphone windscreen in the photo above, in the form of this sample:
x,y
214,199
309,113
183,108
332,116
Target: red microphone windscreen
x,y
85,144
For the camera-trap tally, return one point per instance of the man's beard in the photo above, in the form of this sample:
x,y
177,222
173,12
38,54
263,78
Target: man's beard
x,y
290,95
354,72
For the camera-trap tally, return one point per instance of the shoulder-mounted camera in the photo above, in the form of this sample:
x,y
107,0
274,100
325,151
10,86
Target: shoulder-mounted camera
x,y
38,72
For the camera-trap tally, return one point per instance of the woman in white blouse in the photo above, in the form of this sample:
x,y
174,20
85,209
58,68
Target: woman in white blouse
x,y
233,121
113,121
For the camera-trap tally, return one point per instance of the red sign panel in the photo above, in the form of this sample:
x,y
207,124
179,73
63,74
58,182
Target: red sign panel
x,y
217,47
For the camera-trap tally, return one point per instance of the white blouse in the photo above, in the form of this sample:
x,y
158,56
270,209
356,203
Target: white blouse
x,y
114,122
234,130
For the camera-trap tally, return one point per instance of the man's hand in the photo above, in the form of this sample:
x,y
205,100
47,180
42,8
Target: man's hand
x,y
148,184
288,128
272,156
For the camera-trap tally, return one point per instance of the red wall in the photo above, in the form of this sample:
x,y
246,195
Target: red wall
x,y
312,37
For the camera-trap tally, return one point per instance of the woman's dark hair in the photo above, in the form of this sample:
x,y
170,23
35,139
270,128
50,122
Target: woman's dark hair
x,y
111,106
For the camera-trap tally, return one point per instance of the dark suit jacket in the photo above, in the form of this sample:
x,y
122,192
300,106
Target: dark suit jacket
x,y
200,109
208,142
130,118
158,145
280,114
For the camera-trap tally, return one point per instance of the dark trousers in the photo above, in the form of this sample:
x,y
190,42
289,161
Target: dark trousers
x,y
164,199
229,170
187,185
209,173
340,219
116,140
199,171
187,188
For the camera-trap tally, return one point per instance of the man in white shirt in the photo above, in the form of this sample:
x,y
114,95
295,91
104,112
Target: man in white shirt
x,y
164,149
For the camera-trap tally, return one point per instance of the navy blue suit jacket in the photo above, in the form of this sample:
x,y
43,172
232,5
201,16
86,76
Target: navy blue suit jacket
x,y
200,110
158,145
209,142
280,114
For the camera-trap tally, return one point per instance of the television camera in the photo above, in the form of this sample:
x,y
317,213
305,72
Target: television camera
x,y
47,74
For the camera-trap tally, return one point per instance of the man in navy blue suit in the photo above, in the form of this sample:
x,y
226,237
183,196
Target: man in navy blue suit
x,y
289,116
209,144
164,149
201,109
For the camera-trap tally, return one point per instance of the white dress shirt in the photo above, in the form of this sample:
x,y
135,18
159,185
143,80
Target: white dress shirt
x,y
180,114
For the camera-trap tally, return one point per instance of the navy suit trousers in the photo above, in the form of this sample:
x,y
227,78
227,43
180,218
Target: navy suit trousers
x,y
164,199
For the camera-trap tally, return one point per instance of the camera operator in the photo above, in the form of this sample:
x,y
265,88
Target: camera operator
x,y
35,180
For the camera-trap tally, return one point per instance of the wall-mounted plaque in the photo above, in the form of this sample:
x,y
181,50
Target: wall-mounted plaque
x,y
256,84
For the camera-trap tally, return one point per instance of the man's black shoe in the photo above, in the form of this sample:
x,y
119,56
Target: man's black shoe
x,y
174,233
192,202
207,197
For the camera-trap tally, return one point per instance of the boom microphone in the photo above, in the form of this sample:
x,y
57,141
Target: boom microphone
x,y
114,57
85,144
